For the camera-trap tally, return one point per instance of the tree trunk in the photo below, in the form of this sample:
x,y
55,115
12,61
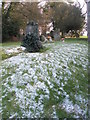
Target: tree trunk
x,y
63,35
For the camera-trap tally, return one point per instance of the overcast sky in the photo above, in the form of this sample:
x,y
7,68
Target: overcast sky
x,y
82,2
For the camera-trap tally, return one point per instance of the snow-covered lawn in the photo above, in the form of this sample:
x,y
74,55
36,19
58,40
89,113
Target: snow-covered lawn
x,y
7,52
50,84
11,50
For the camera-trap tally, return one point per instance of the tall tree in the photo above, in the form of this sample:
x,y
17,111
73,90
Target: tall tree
x,y
10,27
15,15
67,17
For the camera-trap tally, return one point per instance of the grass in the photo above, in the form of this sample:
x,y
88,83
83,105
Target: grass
x,y
74,40
14,44
44,49
71,87
6,44
67,39
83,37
10,103
5,56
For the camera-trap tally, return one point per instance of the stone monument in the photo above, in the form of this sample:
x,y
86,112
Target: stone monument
x,y
56,35
31,39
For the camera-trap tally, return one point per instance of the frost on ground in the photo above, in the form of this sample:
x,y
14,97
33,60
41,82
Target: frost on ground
x,y
10,50
50,84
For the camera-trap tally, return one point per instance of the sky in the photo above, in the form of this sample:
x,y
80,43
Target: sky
x,y
82,2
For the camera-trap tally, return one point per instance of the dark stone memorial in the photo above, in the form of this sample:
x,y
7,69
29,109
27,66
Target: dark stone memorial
x,y
56,35
31,39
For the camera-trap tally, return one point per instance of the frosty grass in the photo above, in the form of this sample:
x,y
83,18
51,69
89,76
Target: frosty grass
x,y
44,84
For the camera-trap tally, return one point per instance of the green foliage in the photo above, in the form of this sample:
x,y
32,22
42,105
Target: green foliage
x,y
15,17
10,26
67,17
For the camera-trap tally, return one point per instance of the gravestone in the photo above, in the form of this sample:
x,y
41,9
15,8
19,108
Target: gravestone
x,y
31,39
56,35
31,28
